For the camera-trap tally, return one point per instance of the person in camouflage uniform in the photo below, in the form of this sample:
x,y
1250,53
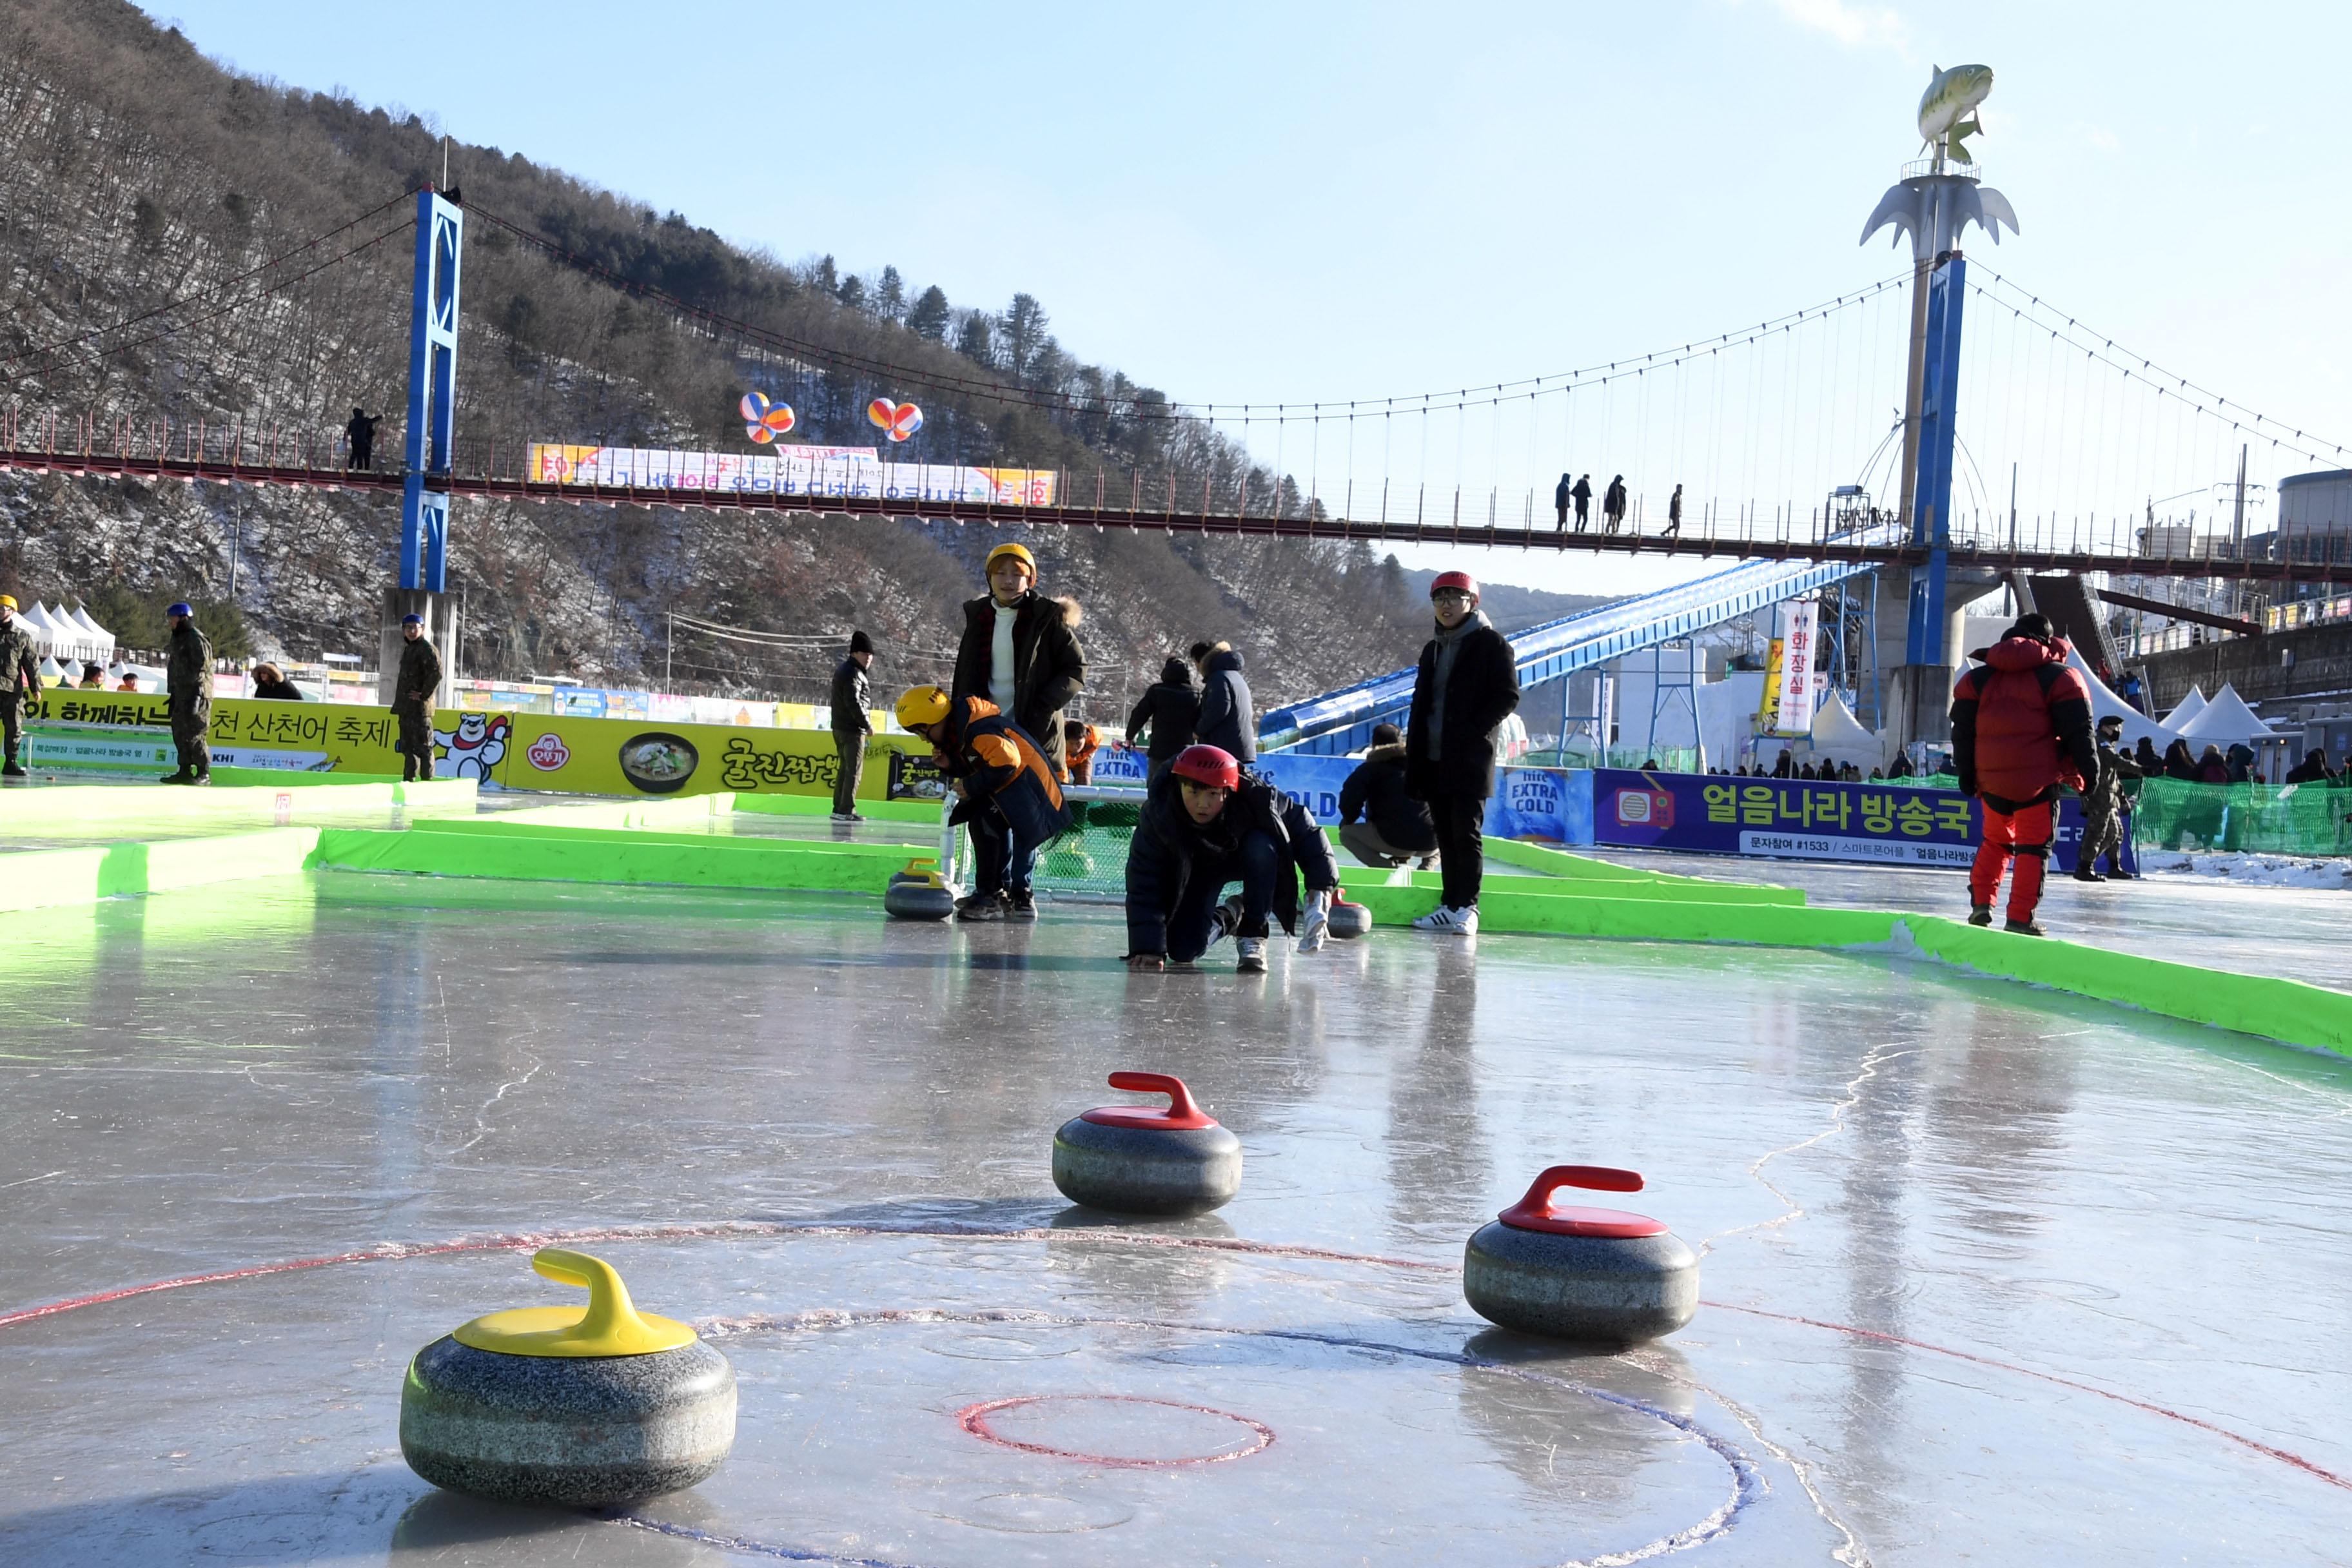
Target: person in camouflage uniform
x,y
412,697
188,687
20,669
2103,804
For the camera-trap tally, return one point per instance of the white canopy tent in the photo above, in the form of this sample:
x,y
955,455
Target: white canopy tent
x,y
2191,706
1838,735
2227,720
2105,703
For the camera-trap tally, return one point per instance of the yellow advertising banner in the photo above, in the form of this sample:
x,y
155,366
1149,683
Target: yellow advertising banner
x,y
512,751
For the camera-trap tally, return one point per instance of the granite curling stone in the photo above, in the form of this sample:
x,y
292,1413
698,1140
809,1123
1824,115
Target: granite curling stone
x,y
1141,1160
581,1407
917,893
1597,1275
1348,920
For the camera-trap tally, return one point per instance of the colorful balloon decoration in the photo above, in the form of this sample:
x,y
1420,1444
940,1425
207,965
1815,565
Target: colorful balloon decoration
x,y
764,421
896,420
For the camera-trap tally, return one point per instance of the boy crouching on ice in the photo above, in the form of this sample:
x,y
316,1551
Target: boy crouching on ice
x,y
1205,824
1006,791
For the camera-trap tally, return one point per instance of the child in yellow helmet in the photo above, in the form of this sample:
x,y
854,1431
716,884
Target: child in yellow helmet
x,y
1008,796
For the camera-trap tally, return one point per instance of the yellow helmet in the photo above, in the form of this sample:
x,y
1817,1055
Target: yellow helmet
x,y
1014,551
922,705
9,600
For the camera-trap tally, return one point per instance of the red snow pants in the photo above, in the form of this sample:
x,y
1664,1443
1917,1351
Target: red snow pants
x,y
2024,833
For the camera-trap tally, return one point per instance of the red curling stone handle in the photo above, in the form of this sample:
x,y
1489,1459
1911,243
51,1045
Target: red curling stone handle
x,y
1535,1212
1181,1115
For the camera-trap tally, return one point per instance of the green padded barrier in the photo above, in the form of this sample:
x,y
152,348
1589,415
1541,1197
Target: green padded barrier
x,y
127,809
610,858
627,813
1576,887
716,843
1560,863
1504,910
45,878
925,811
2286,1010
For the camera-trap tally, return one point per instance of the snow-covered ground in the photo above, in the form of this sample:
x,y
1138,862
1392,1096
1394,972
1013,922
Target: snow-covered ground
x,y
2266,871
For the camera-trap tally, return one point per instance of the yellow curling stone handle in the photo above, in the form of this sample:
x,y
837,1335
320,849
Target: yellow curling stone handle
x,y
608,1325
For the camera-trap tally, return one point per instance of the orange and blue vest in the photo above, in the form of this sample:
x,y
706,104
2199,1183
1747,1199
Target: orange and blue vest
x,y
1000,765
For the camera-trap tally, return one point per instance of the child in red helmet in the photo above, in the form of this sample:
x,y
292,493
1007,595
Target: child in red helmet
x,y
1206,824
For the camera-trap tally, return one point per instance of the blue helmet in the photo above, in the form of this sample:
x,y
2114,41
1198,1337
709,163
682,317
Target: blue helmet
x,y
180,608
412,619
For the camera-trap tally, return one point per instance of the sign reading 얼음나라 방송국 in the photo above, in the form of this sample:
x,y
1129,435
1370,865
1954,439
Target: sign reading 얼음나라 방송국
x,y
1802,819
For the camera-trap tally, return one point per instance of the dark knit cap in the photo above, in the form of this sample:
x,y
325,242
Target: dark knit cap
x,y
1175,672
2032,624
860,643
1387,735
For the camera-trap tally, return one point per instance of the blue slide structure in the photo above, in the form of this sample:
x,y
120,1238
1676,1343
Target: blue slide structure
x,y
1339,722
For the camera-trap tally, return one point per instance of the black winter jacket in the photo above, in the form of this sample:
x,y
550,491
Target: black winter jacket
x,y
1227,718
1376,792
852,698
1159,857
1484,693
1173,711
1048,667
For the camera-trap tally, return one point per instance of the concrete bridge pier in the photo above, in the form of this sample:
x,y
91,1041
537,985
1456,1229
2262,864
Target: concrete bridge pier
x,y
1917,698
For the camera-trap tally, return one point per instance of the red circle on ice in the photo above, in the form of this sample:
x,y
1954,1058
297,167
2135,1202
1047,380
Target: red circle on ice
x,y
976,1419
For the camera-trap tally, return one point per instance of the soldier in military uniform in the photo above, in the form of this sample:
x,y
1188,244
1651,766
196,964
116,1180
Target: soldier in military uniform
x,y
2105,802
188,685
412,697
20,668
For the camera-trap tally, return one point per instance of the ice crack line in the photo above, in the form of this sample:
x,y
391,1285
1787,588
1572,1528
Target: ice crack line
x,y
1794,1211
482,1117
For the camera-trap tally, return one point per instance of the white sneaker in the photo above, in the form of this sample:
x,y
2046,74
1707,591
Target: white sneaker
x,y
1449,920
1314,923
1249,955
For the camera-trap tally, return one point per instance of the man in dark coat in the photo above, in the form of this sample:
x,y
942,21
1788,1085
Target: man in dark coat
x,y
1563,495
1205,824
2313,769
188,688
1020,650
1582,496
1469,683
1227,721
853,704
2103,806
1394,827
2020,729
1674,513
20,670
269,683
413,695
1169,709
1612,505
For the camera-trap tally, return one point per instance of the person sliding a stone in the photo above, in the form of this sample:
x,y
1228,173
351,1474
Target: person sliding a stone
x,y
1204,825
2021,728
1008,796
1469,683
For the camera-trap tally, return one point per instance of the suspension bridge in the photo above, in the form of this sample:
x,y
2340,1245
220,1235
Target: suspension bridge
x,y
1796,472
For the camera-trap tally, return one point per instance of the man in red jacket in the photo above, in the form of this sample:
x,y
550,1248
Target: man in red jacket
x,y
2020,727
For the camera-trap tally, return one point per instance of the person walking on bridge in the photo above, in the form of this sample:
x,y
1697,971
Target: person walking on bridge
x,y
1562,495
413,694
1582,496
2021,728
1674,513
360,434
188,688
1613,505
20,669
1467,685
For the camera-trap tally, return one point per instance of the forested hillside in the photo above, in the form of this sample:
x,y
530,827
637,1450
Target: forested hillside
x,y
177,241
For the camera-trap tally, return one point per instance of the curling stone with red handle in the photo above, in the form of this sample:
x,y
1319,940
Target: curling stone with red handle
x,y
1598,1275
1141,1160
1348,920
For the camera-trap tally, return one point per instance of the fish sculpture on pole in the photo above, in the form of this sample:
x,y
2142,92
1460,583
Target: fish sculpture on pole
x,y
1948,110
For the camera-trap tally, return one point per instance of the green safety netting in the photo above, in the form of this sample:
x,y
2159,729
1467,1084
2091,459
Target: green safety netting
x,y
2267,819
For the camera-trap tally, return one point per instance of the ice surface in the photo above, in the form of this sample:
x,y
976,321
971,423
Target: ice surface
x,y
1993,1275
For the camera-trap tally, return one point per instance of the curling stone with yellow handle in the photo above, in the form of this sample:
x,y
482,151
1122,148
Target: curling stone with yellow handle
x,y
583,1407
917,893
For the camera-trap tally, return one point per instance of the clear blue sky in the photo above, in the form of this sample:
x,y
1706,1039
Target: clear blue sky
x,y
1261,203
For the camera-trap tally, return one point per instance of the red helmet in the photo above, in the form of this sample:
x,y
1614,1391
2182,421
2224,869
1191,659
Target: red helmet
x,y
1461,580
1208,766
